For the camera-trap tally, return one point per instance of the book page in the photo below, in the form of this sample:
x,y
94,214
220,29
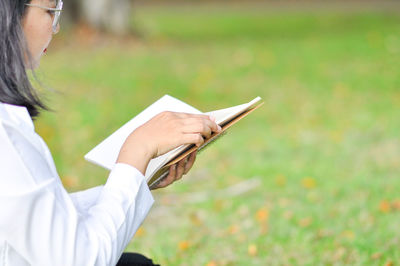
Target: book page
x,y
223,115
106,153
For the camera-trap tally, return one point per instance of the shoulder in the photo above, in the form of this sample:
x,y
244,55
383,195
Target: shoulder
x,y
15,115
23,163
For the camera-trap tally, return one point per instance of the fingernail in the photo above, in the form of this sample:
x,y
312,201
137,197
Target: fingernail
x,y
212,118
219,128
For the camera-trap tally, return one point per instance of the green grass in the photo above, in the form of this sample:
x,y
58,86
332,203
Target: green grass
x,y
325,147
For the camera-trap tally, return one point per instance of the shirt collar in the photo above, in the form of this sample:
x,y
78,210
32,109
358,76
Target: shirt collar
x,y
19,114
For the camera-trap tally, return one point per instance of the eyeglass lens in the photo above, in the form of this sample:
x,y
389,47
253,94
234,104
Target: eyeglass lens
x,y
57,15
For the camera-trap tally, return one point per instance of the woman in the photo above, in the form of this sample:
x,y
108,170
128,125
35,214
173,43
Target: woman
x,y
40,223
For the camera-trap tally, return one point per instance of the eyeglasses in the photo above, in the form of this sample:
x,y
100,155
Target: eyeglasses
x,y
56,12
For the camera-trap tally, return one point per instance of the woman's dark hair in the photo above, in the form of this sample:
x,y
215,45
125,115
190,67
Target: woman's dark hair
x,y
15,87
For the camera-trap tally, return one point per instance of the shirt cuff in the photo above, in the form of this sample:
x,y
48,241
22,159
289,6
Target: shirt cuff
x,y
124,175
127,178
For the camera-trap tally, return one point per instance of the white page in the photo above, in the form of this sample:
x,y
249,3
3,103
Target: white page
x,y
106,153
223,115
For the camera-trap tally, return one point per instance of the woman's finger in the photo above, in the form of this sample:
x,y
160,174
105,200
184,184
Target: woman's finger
x,y
187,115
180,169
194,138
203,126
170,178
190,162
197,128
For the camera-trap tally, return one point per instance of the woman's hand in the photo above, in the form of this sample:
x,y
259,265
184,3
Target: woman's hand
x,y
163,133
177,170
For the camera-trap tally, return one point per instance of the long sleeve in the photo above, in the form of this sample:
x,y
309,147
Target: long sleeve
x,y
85,199
42,224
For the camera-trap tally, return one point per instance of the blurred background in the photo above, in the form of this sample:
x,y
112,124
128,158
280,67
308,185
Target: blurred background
x,y
310,178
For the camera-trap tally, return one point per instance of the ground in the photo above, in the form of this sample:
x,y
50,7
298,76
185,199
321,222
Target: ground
x,y
310,178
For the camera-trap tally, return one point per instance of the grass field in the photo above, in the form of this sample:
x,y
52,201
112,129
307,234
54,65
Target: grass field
x,y
318,164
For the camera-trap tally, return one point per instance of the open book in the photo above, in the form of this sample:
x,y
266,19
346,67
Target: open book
x,y
106,153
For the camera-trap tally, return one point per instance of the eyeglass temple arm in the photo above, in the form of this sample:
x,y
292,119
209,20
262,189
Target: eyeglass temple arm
x,y
47,8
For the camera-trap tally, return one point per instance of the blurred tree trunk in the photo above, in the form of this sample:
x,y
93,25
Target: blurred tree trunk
x,y
106,15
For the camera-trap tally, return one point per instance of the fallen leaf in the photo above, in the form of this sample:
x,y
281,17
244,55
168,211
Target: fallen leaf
x,y
389,263
195,219
211,263
338,255
262,215
233,229
376,256
69,181
140,232
384,206
280,180
305,222
308,183
252,250
322,233
348,234
219,205
396,204
184,245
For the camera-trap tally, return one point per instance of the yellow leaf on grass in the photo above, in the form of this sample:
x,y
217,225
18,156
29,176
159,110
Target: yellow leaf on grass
x,y
252,250
384,206
140,232
396,205
69,181
389,263
211,263
348,234
184,245
195,219
233,229
308,182
376,256
305,222
262,215
280,180
219,205
322,233
339,253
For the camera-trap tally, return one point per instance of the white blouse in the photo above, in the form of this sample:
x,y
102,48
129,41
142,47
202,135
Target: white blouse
x,y
41,224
